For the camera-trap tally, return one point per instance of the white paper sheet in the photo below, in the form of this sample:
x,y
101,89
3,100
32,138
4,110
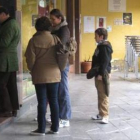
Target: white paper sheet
x,y
89,24
117,5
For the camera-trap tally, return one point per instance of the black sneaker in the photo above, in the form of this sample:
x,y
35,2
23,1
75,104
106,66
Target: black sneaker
x,y
36,133
14,113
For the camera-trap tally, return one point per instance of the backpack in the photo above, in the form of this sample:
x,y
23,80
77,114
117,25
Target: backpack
x,y
72,48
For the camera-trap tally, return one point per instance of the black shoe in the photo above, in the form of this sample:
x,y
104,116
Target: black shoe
x,y
36,133
14,113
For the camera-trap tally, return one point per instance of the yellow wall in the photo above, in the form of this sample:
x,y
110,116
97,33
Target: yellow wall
x,y
27,29
58,4
117,36
61,4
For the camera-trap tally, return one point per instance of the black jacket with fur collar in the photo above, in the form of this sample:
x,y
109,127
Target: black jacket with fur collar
x,y
62,31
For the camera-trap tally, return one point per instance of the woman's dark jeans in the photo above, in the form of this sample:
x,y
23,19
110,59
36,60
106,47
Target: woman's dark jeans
x,y
48,92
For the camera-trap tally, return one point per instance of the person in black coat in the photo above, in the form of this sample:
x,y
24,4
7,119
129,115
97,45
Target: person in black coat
x,y
60,29
102,58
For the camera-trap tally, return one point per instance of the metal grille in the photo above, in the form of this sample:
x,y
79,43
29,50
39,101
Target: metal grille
x,y
132,53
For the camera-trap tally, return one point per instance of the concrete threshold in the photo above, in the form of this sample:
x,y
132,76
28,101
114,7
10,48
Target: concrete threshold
x,y
27,104
5,122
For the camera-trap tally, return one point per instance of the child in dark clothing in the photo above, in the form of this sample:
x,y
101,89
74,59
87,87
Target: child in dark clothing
x,y
102,57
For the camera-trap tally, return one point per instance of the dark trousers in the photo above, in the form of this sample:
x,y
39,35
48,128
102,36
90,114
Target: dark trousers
x,y
64,97
8,92
47,91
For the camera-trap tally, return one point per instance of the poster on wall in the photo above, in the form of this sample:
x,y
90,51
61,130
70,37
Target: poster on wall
x,y
116,5
45,6
34,18
101,22
127,18
89,24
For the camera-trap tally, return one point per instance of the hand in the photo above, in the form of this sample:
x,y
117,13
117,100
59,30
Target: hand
x,y
99,77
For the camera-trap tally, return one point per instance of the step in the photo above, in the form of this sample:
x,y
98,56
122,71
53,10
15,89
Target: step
x,y
5,122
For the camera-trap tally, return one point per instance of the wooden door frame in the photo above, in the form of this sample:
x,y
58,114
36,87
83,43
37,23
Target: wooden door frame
x,y
73,19
77,36
69,16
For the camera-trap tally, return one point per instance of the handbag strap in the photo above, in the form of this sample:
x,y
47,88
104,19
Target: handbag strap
x,y
56,39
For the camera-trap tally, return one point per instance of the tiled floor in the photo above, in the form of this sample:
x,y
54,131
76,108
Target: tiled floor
x,y
124,113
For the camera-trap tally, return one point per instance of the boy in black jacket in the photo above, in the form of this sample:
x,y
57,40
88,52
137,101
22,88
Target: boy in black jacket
x,y
102,58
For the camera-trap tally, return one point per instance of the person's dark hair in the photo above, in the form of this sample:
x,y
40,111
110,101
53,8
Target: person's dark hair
x,y
102,31
43,24
4,10
57,13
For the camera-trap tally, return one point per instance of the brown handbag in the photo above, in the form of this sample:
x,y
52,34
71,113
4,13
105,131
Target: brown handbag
x,y
61,54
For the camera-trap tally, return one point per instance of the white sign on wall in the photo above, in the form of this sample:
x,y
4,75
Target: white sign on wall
x,y
109,28
117,5
89,24
118,21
